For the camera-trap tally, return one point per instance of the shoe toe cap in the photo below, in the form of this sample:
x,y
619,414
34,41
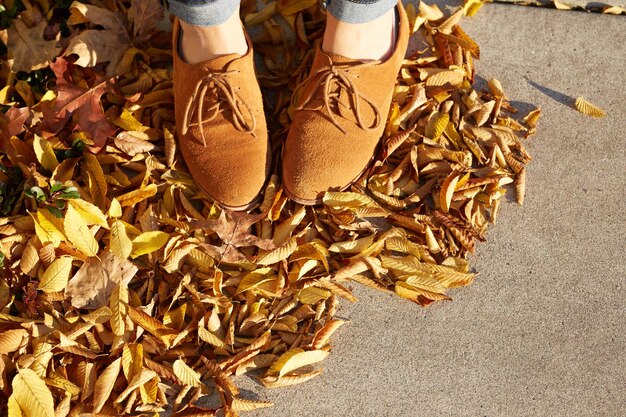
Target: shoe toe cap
x,y
232,174
318,157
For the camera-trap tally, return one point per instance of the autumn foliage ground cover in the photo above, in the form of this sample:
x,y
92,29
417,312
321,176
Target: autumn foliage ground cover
x,y
125,291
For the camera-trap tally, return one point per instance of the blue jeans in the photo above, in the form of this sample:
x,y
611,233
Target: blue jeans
x,y
215,12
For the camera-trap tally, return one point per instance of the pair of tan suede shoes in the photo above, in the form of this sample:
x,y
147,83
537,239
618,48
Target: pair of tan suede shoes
x,y
339,116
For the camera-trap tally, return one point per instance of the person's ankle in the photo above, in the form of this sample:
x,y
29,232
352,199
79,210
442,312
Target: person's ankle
x,y
369,41
202,43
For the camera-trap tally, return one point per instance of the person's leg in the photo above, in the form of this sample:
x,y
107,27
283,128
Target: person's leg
x,y
210,28
217,102
360,29
341,108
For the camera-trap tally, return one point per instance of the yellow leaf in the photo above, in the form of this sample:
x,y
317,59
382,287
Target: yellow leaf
x,y
532,117
119,241
242,405
151,324
447,191
14,407
56,276
89,212
97,183
324,333
254,279
132,360
104,385
496,87
283,231
445,78
148,242
430,12
280,253
32,394
56,380
133,197
78,233
296,358
127,121
347,199
471,7
426,282
411,293
48,228
115,209
143,377
617,10
210,338
118,303
11,340
290,379
561,5
45,153
185,374
589,109
312,295
450,22
352,246
29,263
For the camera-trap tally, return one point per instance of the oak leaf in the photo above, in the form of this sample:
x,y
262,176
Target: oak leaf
x,y
28,50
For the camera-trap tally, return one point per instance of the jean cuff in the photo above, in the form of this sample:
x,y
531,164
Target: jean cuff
x,y
203,13
358,11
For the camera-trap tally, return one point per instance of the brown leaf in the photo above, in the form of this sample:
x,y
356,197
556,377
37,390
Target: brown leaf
x,y
145,15
83,102
28,50
92,285
94,46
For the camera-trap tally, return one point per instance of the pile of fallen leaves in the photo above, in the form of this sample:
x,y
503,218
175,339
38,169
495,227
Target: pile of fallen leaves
x,y
125,291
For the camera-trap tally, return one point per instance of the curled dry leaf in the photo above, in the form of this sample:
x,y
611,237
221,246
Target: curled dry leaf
x,y
589,109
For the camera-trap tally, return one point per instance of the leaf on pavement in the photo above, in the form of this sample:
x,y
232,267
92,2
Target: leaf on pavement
x,y
589,109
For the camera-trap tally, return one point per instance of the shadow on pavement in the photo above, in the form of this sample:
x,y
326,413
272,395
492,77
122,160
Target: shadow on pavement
x,y
553,94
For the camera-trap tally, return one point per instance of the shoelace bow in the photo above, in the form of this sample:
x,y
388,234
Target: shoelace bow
x,y
218,82
338,75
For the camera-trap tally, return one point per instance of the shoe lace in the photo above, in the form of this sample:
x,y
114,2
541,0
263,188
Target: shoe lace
x,y
220,84
342,79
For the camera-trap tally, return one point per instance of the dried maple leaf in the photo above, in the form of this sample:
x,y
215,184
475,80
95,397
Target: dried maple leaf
x,y
79,100
233,231
28,50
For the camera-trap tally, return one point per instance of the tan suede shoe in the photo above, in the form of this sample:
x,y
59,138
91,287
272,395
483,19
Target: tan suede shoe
x,y
339,118
221,127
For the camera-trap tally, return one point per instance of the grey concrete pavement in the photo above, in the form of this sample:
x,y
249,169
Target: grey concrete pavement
x,y
587,4
542,331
